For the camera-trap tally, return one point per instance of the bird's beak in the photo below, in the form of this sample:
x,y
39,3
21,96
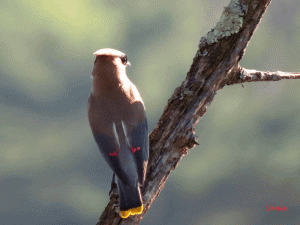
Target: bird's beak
x,y
128,63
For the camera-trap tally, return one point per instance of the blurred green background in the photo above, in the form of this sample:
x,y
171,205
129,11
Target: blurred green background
x,y
51,170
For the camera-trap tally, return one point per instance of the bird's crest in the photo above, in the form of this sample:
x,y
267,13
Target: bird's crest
x,y
109,52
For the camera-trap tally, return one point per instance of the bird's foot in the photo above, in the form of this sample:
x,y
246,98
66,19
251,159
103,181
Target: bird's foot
x,y
113,185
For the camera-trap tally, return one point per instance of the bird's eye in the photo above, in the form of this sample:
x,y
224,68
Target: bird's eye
x,y
124,60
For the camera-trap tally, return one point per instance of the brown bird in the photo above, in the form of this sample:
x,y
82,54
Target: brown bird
x,y
118,121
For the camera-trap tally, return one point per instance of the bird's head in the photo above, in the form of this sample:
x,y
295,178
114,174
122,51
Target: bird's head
x,y
110,69
110,61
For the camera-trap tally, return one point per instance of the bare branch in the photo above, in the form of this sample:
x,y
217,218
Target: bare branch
x,y
242,75
215,62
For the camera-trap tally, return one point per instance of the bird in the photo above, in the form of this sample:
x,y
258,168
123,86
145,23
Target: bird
x,y
118,121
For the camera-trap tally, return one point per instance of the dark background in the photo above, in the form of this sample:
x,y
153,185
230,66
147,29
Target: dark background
x,y
51,170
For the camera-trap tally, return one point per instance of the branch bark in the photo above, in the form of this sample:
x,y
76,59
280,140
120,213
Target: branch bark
x,y
242,75
214,66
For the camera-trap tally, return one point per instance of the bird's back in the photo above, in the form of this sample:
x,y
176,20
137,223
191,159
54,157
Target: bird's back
x,y
114,106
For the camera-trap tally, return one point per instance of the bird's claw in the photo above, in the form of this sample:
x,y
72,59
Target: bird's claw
x,y
113,185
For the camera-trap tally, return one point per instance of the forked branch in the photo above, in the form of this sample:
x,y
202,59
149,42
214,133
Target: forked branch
x,y
214,66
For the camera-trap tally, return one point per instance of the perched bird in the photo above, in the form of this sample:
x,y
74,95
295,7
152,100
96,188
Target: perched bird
x,y
118,121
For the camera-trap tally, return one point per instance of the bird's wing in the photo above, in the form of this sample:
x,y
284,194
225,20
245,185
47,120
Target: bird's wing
x,y
110,151
139,139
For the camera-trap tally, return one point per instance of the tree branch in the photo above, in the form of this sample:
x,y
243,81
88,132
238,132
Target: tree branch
x,y
242,75
214,66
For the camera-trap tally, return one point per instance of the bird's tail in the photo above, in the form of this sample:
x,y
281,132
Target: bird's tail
x,y
131,202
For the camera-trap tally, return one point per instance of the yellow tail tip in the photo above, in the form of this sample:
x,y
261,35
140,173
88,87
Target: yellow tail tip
x,y
133,211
